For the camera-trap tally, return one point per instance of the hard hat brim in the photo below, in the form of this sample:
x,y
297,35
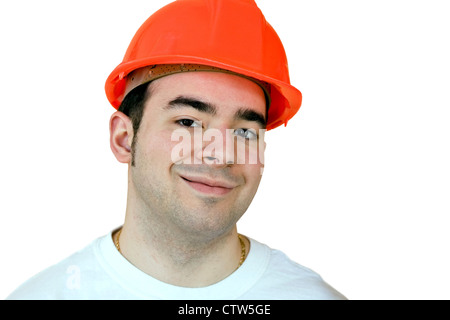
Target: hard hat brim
x,y
286,97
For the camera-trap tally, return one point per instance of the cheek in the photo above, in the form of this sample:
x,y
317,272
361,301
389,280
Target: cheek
x,y
254,174
156,148
182,144
250,153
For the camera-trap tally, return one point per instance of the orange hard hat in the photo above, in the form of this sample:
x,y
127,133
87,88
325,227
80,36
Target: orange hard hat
x,y
228,34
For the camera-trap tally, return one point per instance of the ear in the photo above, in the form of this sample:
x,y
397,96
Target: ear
x,y
121,136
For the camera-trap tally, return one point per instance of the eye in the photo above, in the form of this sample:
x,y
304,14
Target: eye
x,y
189,123
248,134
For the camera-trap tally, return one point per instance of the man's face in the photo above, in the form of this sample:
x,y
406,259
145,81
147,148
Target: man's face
x,y
207,187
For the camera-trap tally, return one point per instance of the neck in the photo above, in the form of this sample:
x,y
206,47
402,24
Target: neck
x,y
178,258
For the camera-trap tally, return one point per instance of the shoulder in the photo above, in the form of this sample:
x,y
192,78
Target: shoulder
x,y
288,280
59,281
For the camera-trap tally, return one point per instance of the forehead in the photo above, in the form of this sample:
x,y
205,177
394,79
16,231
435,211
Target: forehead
x,y
226,91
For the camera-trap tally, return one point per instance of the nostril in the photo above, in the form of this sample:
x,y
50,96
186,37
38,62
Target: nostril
x,y
211,160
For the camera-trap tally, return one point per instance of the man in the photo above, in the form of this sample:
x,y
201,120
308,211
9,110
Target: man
x,y
201,82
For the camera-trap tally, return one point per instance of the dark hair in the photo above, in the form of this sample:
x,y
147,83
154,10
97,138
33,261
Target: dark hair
x,y
133,107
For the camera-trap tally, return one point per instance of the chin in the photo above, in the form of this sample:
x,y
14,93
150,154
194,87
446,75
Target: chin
x,y
206,222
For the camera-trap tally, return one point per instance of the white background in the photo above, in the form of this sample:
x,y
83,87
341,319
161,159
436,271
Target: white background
x,y
356,187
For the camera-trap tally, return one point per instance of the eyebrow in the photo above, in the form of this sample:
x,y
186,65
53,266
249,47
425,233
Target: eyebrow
x,y
251,115
193,103
242,114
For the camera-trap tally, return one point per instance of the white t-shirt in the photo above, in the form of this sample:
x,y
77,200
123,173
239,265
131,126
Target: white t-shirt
x,y
99,271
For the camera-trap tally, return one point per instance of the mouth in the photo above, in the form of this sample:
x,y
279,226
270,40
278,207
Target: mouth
x,y
209,187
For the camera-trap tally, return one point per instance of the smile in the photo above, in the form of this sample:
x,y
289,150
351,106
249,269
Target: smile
x,y
208,187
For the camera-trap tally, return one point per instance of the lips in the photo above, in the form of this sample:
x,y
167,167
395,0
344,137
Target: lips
x,y
209,186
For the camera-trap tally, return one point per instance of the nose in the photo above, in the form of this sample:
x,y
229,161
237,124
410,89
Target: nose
x,y
217,147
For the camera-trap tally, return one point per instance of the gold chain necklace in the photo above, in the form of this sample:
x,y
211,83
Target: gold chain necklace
x,y
241,260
